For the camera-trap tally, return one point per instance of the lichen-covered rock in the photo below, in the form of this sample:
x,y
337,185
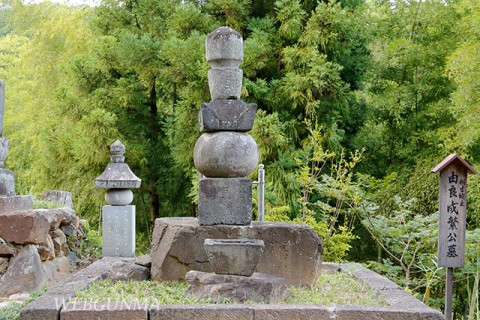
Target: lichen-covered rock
x,y
127,269
259,287
24,274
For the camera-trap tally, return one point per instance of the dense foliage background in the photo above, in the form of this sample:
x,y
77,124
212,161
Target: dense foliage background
x,y
358,101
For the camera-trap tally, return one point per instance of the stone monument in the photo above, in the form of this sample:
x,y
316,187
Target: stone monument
x,y
9,201
118,217
225,154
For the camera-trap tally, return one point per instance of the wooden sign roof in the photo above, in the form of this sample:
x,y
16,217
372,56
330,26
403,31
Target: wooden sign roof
x,y
454,158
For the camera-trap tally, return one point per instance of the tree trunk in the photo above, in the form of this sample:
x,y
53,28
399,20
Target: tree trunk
x,y
152,104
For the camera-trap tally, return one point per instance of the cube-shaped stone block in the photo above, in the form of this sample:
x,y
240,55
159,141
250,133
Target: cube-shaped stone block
x,y
225,201
118,228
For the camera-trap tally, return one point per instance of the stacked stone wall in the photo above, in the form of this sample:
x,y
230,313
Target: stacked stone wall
x,y
33,244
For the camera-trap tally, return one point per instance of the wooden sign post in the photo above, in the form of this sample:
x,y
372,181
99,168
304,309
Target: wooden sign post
x,y
452,219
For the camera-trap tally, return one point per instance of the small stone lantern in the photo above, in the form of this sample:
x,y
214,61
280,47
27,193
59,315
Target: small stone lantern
x,y
118,217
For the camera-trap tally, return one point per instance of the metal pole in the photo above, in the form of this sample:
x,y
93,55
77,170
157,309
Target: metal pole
x,y
449,294
261,192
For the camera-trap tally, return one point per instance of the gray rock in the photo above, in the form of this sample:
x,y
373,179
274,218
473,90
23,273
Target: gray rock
x,y
124,270
234,256
24,274
11,204
63,265
50,270
226,115
63,198
259,287
3,264
7,183
54,216
3,146
47,250
118,231
24,227
6,249
67,229
225,154
291,251
59,242
225,201
144,261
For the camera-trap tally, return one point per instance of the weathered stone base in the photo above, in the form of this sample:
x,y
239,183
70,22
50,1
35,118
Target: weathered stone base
x,y
402,306
118,231
225,201
9,204
259,287
291,251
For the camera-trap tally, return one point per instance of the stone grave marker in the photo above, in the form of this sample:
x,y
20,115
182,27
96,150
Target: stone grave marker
x,y
118,218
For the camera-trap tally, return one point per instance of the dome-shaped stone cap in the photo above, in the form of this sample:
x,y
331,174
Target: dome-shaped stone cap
x,y
117,175
224,47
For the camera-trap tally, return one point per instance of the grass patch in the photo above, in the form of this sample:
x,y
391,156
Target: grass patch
x,y
12,311
330,289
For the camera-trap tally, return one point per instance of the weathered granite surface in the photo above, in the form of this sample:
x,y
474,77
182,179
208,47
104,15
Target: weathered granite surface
x,y
234,256
104,311
291,251
10,204
226,115
225,154
225,201
24,227
259,287
24,274
7,183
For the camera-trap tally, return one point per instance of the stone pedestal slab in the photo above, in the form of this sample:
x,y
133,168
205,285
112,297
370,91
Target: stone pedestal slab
x,y
118,231
291,251
225,201
259,287
9,204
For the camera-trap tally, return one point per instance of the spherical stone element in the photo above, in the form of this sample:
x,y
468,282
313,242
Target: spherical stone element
x,y
225,154
119,197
